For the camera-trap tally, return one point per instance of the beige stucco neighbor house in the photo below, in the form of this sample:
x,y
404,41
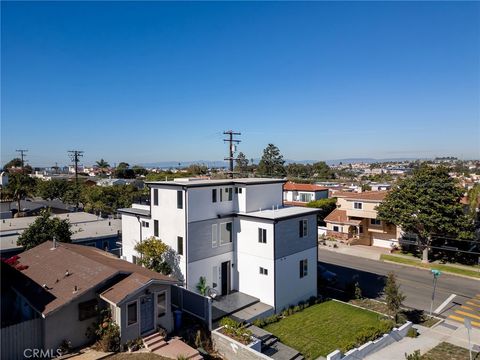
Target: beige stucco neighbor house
x,y
355,220
65,285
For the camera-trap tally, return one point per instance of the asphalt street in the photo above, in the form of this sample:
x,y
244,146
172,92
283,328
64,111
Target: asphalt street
x,y
416,284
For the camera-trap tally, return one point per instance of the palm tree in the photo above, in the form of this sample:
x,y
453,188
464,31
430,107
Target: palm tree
x,y
19,187
103,165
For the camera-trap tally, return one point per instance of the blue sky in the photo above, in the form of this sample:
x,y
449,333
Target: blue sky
x,y
156,81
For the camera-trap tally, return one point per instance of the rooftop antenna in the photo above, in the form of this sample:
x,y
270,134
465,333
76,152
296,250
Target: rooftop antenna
x,y
232,148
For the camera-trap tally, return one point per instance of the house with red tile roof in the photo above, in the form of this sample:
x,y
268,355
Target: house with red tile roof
x,y
65,286
301,194
355,220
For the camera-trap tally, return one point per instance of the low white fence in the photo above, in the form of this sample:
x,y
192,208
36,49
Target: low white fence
x,y
370,347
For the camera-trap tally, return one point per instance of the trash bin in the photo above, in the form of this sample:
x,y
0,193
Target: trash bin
x,y
178,319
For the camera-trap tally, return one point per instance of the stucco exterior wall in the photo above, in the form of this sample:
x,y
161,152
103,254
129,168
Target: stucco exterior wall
x,y
287,237
263,196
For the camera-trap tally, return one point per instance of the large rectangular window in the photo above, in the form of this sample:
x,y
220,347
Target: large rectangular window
x,y
305,197
225,233
262,235
180,245
155,228
161,304
303,268
230,193
87,309
375,222
155,196
303,228
132,313
179,199
214,195
214,235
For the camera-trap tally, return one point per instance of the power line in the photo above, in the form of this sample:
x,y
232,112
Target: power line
x,y
74,156
22,155
232,147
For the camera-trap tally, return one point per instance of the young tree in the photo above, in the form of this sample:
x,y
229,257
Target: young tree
x,y
45,228
393,296
427,204
241,163
272,162
153,254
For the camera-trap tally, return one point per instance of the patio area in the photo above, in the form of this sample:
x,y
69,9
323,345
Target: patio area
x,y
229,304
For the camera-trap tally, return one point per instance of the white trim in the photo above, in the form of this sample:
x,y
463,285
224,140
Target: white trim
x,y
156,304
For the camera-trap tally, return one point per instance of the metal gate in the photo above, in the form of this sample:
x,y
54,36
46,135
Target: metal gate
x,y
192,303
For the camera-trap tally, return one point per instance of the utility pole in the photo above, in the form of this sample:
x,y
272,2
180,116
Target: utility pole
x,y
231,142
22,155
74,156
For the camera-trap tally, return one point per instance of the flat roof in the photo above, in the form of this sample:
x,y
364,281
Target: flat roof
x,y
193,182
134,211
281,213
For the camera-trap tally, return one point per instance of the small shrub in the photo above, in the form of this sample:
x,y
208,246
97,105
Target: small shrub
x,y
312,300
65,347
357,291
296,309
413,356
258,322
235,330
412,332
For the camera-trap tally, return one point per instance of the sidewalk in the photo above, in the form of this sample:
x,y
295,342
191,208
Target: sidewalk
x,y
448,331
368,252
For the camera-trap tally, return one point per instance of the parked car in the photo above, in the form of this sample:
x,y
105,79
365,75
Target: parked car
x,y
326,277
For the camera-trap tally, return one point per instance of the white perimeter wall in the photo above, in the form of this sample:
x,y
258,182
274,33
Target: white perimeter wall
x,y
290,288
251,256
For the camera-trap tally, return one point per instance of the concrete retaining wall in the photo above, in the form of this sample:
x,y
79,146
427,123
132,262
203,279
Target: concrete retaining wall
x,y
370,347
232,350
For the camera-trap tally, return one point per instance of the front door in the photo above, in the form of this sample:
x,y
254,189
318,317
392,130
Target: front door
x,y
146,313
225,277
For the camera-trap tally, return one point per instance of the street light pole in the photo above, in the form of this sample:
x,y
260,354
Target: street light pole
x,y
436,275
468,325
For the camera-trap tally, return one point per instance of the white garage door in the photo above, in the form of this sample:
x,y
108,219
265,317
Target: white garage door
x,y
385,243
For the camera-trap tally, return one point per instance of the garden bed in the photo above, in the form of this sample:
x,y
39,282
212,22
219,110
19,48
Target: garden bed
x,y
415,316
448,351
322,328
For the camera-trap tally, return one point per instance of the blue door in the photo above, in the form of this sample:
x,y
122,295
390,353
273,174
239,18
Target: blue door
x,y
146,313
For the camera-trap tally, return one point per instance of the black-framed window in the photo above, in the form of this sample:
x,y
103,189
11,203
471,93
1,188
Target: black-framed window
x,y
87,309
155,196
262,235
132,313
155,228
179,199
303,228
214,195
145,224
336,228
180,245
263,271
303,268
230,194
358,205
226,235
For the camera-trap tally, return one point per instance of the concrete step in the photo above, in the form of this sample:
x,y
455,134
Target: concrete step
x,y
158,345
269,341
151,336
196,357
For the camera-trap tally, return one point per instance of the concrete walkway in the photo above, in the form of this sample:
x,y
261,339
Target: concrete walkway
x,y
367,252
451,332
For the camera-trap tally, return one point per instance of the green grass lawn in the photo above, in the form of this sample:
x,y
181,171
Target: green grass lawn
x,y
320,329
441,267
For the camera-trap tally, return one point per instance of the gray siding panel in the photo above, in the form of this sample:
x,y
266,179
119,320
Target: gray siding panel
x,y
200,239
287,240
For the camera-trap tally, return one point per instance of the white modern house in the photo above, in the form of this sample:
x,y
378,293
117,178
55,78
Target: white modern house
x,y
236,233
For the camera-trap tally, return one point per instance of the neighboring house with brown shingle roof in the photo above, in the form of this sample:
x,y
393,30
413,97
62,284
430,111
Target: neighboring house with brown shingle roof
x,y
355,220
66,284
301,194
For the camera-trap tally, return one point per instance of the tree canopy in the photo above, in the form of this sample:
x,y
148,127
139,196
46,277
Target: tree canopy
x,y
107,199
272,162
45,228
241,163
154,255
19,187
15,162
54,189
427,204
326,206
102,165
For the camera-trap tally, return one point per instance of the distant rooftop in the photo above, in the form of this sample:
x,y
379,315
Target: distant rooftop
x,y
290,186
198,182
